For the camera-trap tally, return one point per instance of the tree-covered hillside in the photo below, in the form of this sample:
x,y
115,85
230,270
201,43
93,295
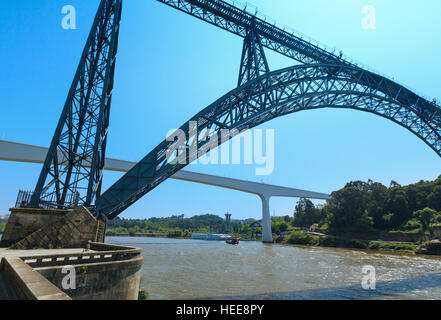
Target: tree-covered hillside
x,y
365,206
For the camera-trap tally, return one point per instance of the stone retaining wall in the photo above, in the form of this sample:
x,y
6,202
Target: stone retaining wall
x,y
73,230
25,221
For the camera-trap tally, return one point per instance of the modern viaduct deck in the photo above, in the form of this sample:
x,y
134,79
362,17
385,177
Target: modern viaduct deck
x,y
18,152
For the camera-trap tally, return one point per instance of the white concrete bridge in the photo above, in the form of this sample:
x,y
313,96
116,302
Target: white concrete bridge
x,y
18,152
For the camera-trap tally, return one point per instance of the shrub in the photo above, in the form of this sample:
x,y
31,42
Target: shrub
x,y
391,245
412,224
342,243
433,248
142,294
324,227
174,234
298,237
374,245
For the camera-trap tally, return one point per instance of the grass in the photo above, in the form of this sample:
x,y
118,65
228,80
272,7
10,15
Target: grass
x,y
301,238
375,245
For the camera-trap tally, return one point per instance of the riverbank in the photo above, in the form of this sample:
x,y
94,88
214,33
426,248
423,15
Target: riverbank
x,y
321,240
166,236
147,235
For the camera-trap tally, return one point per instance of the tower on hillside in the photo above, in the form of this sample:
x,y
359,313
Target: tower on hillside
x,y
228,222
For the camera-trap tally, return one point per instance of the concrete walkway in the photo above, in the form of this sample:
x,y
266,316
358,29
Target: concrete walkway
x,y
38,252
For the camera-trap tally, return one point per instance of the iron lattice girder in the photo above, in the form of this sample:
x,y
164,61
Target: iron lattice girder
x,y
75,160
237,21
272,95
253,62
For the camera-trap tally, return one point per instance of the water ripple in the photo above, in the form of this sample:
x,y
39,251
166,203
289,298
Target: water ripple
x,y
192,269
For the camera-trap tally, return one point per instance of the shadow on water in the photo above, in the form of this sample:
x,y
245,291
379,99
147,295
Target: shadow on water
x,y
383,289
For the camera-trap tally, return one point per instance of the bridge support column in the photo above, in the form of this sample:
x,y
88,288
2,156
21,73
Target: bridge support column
x,y
267,234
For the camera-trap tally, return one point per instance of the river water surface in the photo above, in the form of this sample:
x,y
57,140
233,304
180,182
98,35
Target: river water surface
x,y
194,269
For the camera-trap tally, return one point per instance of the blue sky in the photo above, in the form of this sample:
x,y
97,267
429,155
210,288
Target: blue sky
x,y
171,65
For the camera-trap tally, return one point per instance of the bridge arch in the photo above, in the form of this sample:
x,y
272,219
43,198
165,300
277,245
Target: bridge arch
x,y
282,92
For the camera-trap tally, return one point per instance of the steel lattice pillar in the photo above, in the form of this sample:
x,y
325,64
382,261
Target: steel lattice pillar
x,y
253,63
72,172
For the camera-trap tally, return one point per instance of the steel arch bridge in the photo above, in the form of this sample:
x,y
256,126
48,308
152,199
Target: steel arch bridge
x,y
272,95
74,165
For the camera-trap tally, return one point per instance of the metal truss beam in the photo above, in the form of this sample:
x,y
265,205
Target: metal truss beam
x,y
270,96
238,21
72,172
253,63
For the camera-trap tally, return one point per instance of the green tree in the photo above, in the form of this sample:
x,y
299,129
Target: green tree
x,y
247,229
425,216
237,227
398,205
278,227
347,209
306,214
394,184
365,205
376,202
434,198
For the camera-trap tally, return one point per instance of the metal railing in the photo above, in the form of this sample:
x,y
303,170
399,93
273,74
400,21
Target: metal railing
x,y
47,201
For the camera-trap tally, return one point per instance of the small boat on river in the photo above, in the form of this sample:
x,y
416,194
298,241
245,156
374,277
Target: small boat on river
x,y
233,241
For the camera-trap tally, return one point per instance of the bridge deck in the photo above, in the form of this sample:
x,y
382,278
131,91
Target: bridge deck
x,y
18,152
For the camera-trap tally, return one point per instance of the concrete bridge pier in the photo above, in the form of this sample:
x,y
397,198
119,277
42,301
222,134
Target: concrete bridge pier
x,y
267,233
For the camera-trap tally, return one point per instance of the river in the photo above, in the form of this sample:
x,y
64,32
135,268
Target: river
x,y
193,269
